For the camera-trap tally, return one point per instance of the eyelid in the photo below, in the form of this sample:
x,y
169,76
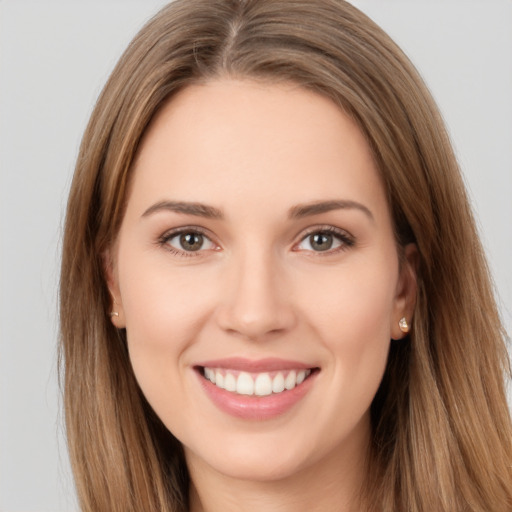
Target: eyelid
x,y
346,238
163,240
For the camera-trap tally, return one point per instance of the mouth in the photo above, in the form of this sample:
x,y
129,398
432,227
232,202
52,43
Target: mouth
x,y
256,389
256,383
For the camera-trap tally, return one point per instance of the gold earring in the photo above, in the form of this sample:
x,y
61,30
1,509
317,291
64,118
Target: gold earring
x,y
404,326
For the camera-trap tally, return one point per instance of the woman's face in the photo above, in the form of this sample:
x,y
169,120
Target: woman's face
x,y
257,251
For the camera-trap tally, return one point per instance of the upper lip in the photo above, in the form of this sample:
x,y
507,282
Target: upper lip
x,y
255,365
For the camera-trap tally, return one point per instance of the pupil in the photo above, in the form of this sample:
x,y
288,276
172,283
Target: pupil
x,y
321,241
191,241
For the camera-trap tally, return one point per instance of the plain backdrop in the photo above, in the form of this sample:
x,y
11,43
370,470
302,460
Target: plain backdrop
x,y
54,58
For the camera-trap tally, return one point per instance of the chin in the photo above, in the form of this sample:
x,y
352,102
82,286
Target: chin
x,y
252,463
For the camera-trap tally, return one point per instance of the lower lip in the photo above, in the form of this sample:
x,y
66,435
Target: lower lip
x,y
256,407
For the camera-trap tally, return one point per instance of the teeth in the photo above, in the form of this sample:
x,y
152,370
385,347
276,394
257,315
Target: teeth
x,y
230,382
209,374
263,385
245,384
278,383
291,380
219,379
260,384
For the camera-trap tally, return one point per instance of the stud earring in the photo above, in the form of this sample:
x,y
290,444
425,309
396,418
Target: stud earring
x,y
113,313
404,326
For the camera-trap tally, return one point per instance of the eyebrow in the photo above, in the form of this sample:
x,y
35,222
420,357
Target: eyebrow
x,y
296,212
197,209
318,207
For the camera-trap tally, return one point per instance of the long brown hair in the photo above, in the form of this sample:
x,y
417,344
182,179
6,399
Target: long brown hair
x,y
441,426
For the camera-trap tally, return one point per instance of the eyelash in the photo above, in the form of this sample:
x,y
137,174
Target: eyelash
x,y
346,240
164,240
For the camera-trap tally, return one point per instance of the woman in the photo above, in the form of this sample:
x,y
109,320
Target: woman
x,y
265,196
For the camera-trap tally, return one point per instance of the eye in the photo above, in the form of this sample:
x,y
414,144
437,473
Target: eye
x,y
188,241
325,240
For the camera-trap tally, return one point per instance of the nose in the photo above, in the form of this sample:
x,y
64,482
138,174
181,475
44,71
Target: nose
x,y
256,301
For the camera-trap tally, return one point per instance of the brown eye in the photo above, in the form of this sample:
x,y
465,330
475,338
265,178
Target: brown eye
x,y
321,241
328,240
191,241
188,242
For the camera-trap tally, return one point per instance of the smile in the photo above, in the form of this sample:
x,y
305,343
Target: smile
x,y
256,390
256,384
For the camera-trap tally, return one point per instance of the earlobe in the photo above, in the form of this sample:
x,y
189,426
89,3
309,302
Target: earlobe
x,y
115,311
405,300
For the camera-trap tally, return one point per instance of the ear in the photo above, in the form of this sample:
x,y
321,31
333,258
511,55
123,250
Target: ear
x,y
116,311
405,298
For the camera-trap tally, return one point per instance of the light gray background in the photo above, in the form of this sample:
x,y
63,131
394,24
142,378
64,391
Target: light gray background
x,y
55,57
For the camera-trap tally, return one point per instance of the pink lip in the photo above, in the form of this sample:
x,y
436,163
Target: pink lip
x,y
255,407
255,366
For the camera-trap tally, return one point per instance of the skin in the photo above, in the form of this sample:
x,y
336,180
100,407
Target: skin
x,y
258,288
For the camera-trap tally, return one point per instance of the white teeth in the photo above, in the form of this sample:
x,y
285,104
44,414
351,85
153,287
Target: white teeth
x,y
219,379
210,374
278,383
230,382
261,384
244,384
301,376
291,380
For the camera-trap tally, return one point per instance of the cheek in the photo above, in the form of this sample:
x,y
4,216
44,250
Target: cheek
x,y
351,314
354,303
164,314
162,306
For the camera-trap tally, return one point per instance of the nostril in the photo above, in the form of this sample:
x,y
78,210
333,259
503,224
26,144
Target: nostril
x,y
254,322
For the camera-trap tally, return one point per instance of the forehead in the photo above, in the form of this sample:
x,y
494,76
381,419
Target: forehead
x,y
225,139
